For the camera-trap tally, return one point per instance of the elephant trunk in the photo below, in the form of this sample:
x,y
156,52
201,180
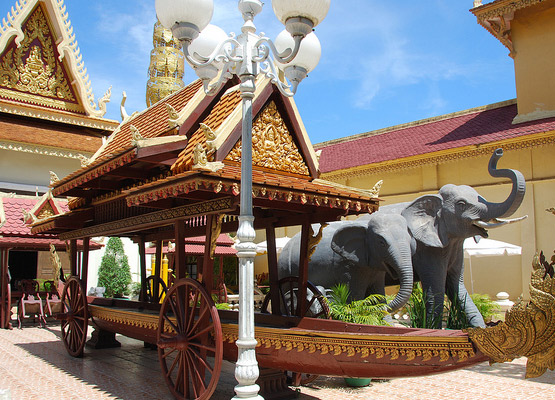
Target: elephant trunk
x,y
404,270
511,204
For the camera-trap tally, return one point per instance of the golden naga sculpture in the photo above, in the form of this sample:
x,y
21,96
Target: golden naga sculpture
x,y
529,328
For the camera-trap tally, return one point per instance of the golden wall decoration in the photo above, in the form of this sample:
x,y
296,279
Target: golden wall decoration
x,y
528,330
273,146
33,68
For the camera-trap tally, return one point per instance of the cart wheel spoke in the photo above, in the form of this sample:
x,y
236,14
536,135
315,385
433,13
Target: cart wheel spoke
x,y
196,335
74,328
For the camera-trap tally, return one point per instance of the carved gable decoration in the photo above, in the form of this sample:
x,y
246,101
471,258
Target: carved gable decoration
x,y
273,146
31,72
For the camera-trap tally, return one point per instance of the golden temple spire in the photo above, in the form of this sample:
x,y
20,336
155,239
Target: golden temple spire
x,y
167,66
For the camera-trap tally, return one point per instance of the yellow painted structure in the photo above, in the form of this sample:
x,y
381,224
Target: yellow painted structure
x,y
527,29
490,274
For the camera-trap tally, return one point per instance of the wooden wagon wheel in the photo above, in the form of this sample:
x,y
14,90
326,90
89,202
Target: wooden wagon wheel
x,y
317,306
75,318
190,343
162,289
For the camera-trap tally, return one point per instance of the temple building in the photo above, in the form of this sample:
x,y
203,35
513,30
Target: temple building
x,y
420,157
50,125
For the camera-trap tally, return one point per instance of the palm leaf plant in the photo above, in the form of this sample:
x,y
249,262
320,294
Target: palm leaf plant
x,y
368,311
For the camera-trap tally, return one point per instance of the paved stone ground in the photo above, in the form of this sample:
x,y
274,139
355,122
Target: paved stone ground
x,y
35,365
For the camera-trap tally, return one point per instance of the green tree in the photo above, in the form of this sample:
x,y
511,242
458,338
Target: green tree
x,y
114,273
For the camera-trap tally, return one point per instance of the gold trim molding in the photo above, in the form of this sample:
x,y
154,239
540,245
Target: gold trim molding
x,y
372,346
157,218
42,150
72,119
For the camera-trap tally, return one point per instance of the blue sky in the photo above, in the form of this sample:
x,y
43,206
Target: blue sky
x,y
383,63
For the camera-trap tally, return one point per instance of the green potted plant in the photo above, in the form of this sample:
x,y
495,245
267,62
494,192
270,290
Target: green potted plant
x,y
368,311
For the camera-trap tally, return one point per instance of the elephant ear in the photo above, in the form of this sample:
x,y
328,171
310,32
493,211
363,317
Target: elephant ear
x,y
349,241
423,220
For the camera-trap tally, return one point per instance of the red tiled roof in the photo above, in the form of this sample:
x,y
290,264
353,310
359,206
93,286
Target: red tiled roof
x,y
35,133
152,123
41,243
461,129
218,114
14,225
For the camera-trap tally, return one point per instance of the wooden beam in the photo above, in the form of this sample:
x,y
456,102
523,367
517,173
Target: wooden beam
x,y
154,219
208,261
180,256
85,261
73,257
127,172
303,267
273,268
157,270
142,262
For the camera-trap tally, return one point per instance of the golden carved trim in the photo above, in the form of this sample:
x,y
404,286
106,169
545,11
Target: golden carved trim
x,y
157,218
42,150
273,145
55,115
529,328
534,140
119,316
363,346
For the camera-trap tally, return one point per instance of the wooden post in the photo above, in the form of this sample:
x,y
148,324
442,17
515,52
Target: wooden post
x,y
6,302
272,268
180,256
157,269
85,261
73,257
142,262
303,268
208,261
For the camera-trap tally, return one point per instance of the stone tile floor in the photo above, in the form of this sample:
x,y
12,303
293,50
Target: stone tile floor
x,y
34,365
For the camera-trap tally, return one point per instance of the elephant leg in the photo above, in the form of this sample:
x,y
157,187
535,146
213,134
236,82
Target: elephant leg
x,y
433,286
457,293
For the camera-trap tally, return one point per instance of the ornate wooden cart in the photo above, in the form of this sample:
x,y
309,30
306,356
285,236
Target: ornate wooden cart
x,y
165,175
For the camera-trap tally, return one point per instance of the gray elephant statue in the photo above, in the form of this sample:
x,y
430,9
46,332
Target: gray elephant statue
x,y
440,223
358,253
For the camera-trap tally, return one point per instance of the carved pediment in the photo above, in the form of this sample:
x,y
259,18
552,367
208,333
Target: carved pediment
x,y
273,146
32,72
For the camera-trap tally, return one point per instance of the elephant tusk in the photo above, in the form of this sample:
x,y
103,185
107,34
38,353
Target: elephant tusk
x,y
498,222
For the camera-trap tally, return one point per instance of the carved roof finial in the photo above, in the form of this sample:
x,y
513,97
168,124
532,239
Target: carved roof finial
x,y
210,138
375,191
53,178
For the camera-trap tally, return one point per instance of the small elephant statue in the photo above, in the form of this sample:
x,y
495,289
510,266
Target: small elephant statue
x,y
359,254
440,223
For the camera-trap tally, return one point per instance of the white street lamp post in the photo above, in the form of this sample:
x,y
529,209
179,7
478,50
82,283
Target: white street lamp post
x,y
215,59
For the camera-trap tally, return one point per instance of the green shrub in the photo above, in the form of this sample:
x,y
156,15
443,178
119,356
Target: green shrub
x,y
487,307
368,311
416,309
223,306
114,273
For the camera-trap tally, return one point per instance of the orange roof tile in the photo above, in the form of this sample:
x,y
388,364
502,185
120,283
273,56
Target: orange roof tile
x,y
44,134
219,113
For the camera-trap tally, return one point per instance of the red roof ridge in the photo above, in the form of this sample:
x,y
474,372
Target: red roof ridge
x,y
412,124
